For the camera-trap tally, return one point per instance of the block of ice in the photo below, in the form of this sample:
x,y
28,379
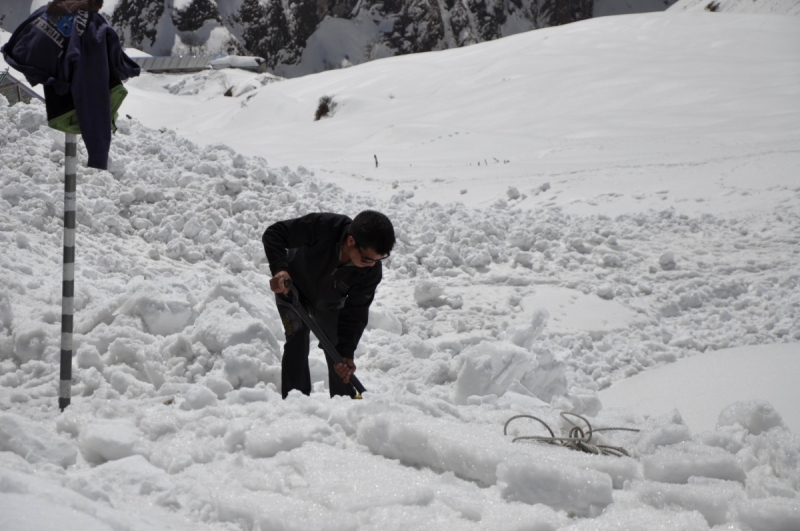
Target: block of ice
x,y
578,491
677,463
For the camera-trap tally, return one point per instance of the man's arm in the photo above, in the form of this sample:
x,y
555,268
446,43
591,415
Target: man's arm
x,y
296,232
291,233
284,235
354,316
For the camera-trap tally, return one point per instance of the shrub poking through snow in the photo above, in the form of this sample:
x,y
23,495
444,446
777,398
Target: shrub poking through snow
x,y
325,108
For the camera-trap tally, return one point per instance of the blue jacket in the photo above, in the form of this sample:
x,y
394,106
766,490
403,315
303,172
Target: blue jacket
x,y
80,61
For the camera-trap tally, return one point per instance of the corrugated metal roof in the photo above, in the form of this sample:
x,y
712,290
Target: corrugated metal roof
x,y
186,63
15,90
190,63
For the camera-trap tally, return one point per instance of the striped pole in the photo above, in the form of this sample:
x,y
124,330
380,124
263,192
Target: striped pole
x,y
68,284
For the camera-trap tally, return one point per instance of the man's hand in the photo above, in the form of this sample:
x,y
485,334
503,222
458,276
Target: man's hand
x,y
345,369
276,283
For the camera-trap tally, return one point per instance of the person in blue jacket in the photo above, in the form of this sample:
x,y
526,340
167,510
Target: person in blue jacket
x,y
68,47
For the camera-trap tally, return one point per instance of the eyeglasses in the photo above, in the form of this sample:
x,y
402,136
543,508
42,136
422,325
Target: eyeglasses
x,y
366,260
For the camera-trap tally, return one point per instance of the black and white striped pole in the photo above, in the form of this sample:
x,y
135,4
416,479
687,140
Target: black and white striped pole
x,y
68,282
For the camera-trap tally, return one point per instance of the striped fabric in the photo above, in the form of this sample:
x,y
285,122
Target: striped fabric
x,y
68,286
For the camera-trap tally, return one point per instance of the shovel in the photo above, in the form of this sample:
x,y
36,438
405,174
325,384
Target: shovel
x,y
330,350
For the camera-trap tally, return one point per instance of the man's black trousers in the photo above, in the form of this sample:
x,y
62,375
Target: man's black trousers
x,y
294,365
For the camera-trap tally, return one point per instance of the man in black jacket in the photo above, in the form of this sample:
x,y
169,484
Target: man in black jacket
x,y
335,263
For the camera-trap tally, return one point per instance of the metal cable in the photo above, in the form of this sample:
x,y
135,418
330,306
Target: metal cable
x,y
578,438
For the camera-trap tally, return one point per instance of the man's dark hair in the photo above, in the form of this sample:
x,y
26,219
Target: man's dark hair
x,y
373,230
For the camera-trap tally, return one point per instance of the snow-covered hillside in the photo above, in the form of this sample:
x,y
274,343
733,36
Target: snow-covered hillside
x,y
762,7
305,36
649,213
617,114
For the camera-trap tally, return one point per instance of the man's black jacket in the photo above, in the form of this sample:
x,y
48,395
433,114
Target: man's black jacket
x,y
309,248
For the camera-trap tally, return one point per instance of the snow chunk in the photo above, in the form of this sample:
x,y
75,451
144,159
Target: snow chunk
x,y
285,434
88,356
605,291
712,499
6,312
665,435
667,261
33,442
198,397
24,512
620,516
30,119
578,491
755,416
382,318
439,445
677,463
219,386
427,292
491,367
526,335
223,324
109,439
30,340
770,514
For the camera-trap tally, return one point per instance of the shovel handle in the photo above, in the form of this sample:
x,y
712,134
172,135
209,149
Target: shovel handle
x,y
327,345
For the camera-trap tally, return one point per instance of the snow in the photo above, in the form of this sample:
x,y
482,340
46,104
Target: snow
x,y
339,43
39,445
701,386
646,224
679,462
763,7
133,52
611,86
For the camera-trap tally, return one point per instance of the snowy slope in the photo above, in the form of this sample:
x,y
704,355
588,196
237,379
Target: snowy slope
x,y
762,7
617,114
701,386
499,305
